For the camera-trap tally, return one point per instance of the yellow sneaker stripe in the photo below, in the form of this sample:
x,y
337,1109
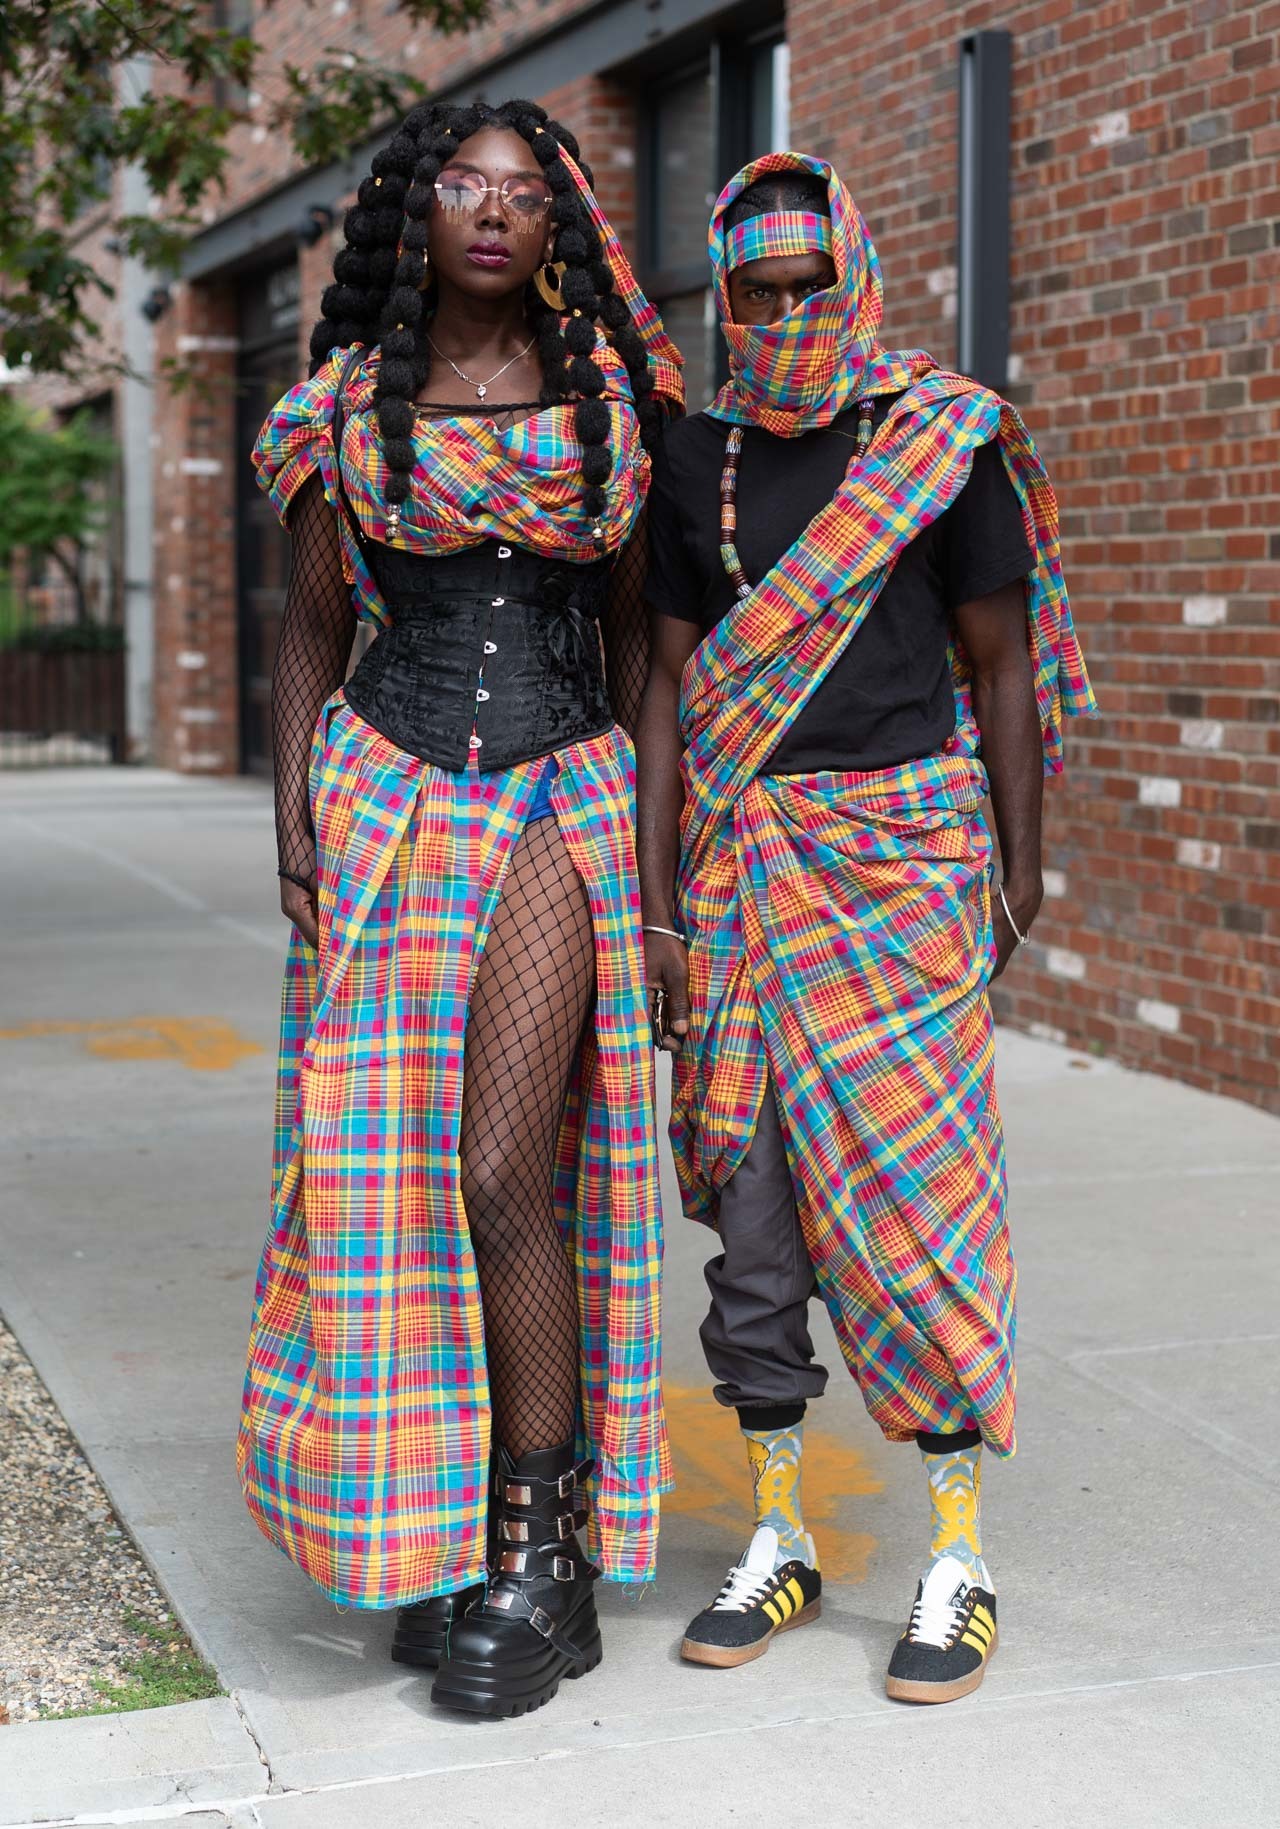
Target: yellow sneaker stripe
x,y
796,1592
976,1625
782,1600
971,1638
984,1618
773,1612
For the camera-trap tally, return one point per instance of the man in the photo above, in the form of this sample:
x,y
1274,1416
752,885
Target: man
x,y
861,630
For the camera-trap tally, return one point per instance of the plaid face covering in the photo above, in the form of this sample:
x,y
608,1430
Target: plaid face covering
x,y
806,369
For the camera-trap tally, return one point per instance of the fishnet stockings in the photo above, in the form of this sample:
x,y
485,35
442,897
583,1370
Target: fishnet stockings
x,y
625,628
532,994
316,633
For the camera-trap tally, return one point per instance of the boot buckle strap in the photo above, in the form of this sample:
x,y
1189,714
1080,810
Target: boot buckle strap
x,y
515,1530
563,1568
515,1492
566,1524
513,1562
542,1622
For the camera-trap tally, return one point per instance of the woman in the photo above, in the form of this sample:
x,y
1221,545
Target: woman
x,y
863,631
464,1250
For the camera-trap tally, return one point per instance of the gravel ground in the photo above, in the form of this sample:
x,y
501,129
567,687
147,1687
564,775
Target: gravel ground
x,y
70,1577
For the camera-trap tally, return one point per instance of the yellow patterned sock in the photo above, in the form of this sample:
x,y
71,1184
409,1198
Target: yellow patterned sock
x,y
955,1488
774,1455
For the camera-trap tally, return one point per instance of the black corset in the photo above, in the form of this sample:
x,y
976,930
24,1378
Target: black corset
x,y
493,650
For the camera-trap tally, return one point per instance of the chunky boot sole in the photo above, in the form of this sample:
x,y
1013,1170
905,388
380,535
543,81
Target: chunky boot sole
x,y
727,1657
517,1684
899,1689
423,1646
421,1641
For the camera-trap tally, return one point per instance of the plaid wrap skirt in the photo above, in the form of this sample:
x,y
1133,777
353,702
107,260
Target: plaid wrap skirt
x,y
365,1428
841,943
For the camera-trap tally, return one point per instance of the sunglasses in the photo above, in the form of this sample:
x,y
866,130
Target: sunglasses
x,y
461,194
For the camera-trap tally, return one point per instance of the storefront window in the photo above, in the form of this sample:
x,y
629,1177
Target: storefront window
x,y
703,123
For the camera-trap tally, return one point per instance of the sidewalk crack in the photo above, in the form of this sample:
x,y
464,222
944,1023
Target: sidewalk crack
x,y
258,1747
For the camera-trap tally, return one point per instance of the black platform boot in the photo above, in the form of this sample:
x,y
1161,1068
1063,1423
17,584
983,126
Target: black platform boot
x,y
421,1630
537,1622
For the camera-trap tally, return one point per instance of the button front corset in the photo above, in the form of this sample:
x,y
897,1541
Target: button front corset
x,y
493,651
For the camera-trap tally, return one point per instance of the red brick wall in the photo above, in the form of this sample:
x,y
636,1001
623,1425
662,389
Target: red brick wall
x,y
1146,223
293,33
194,579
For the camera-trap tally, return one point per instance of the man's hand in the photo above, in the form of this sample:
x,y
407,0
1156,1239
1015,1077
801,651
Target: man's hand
x,y
667,969
299,905
1025,903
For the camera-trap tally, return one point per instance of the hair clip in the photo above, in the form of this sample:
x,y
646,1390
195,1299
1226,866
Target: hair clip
x,y
377,183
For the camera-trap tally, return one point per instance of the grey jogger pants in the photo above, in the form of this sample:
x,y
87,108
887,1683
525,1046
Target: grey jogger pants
x,y
756,1335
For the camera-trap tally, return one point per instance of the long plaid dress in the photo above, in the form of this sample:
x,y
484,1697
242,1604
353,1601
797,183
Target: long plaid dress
x,y
840,933
364,1439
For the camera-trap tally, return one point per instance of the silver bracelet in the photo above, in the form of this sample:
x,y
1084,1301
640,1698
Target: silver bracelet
x,y
1022,939
669,931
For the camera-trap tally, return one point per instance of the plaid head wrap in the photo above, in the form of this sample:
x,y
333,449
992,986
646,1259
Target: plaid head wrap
x,y
805,370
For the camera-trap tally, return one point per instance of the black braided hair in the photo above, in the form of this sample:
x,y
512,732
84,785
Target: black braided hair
x,y
376,297
781,190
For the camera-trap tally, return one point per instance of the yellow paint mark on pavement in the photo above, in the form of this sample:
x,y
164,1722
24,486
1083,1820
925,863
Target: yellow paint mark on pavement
x,y
713,1481
206,1044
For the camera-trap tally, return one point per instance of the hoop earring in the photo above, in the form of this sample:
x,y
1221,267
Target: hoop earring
x,y
551,294
424,283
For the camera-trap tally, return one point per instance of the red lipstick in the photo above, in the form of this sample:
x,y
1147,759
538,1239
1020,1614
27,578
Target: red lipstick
x,y
491,254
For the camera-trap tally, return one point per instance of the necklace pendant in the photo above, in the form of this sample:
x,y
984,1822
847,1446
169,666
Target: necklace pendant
x,y
481,391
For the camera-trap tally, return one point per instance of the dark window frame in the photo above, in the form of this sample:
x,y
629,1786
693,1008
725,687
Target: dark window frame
x,y
730,58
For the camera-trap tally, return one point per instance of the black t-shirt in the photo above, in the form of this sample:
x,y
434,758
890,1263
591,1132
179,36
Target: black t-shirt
x,y
889,697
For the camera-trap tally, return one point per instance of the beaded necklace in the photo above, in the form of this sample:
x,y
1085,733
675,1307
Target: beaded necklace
x,y
729,493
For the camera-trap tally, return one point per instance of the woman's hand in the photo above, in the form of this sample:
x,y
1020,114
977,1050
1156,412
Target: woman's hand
x,y
1025,903
299,905
667,970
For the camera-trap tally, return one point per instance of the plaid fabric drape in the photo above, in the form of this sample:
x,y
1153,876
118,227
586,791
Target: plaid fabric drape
x,y
475,480
841,942
364,1442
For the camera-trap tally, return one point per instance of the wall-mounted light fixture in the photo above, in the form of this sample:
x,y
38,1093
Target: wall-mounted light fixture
x,y
156,303
309,228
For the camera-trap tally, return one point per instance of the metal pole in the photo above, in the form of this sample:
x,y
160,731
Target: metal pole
x,y
982,304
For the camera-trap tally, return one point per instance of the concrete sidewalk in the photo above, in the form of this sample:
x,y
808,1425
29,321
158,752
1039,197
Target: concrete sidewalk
x,y
1133,1539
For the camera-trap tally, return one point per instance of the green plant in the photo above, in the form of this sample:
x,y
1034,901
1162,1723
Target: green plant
x,y
164,1671
74,115
50,502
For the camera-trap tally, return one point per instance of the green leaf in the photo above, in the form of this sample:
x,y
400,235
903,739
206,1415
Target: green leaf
x,y
67,133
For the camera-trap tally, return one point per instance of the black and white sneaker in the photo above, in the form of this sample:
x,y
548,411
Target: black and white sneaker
x,y
756,1601
943,1653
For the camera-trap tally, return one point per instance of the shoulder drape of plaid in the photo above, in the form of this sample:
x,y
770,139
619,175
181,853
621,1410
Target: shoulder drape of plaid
x,y
841,939
474,482
364,1443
